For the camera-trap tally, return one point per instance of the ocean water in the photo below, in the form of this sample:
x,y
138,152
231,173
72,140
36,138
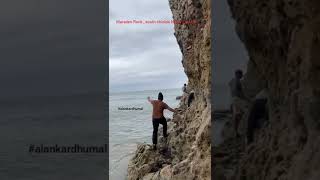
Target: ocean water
x,y
78,119
127,128
52,120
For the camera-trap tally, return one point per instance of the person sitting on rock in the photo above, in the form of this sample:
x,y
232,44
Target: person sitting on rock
x,y
157,117
184,88
238,99
185,94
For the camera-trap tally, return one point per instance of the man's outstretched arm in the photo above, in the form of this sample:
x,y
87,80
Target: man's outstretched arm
x,y
170,109
149,99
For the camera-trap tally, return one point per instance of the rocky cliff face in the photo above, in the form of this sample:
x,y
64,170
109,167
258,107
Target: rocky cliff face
x,y
283,41
187,152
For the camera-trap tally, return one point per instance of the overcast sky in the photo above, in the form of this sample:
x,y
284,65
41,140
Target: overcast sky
x,y
228,51
143,57
57,47
51,47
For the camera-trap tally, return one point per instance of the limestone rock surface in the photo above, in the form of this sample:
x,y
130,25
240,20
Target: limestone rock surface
x,y
282,38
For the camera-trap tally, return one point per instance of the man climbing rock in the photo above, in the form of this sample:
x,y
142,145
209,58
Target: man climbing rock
x,y
157,117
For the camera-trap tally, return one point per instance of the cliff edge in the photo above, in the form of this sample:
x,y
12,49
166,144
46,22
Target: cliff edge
x,y
187,152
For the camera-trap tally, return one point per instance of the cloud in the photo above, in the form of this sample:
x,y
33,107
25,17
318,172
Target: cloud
x,y
143,56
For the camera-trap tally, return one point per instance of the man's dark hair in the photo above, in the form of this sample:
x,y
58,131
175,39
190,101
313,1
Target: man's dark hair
x,y
160,96
184,84
239,73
